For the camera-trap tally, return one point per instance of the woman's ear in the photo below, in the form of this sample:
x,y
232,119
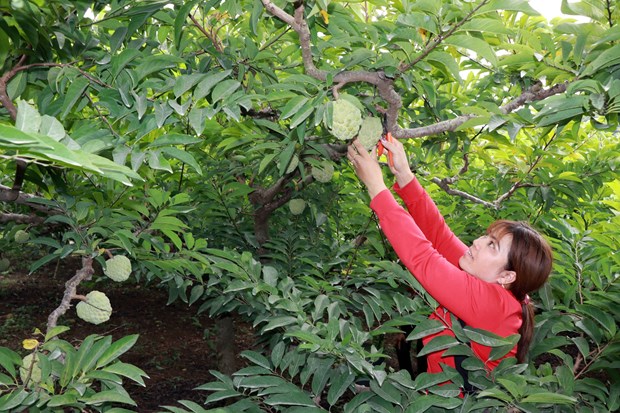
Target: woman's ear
x,y
506,277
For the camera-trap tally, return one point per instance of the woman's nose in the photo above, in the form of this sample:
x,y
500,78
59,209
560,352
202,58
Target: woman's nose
x,y
476,243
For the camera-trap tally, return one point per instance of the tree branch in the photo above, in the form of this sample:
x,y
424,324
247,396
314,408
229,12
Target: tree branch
x,y
25,199
211,36
83,274
20,218
535,93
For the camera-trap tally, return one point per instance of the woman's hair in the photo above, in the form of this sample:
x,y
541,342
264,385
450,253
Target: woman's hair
x,y
531,258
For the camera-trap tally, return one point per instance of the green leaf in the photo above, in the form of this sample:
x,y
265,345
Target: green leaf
x,y
28,118
486,25
549,398
156,63
489,339
445,63
257,359
179,21
277,322
224,89
609,57
426,328
74,93
425,380
13,399
116,349
108,396
290,399
438,343
221,395
184,157
90,355
56,331
60,400
184,83
479,46
9,359
338,385
260,382
293,106
174,139
205,86
425,402
127,370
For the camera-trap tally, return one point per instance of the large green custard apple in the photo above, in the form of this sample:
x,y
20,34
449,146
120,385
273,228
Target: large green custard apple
x,y
346,119
96,309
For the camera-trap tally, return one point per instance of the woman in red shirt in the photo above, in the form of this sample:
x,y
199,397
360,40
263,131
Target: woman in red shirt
x,y
484,285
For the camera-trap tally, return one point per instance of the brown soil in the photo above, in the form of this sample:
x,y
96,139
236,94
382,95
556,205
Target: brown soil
x,y
175,347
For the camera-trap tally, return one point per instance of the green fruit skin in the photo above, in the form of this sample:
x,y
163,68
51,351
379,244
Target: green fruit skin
x,y
370,132
118,268
297,206
4,264
96,309
21,236
323,173
346,119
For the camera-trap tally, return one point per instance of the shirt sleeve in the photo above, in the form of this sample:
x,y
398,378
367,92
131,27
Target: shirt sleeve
x,y
467,297
430,221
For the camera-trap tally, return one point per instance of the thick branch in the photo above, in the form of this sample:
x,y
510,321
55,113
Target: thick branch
x,y
83,274
25,199
20,218
532,94
384,84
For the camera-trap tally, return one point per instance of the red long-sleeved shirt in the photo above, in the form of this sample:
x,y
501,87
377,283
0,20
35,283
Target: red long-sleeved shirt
x,y
430,250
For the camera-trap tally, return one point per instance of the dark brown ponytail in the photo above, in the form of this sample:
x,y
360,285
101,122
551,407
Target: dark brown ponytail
x,y
531,258
526,331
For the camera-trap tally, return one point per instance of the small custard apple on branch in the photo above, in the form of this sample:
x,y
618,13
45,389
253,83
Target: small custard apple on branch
x,y
118,268
21,236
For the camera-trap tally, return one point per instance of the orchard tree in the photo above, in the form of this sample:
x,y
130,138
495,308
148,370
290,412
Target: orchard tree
x,y
204,142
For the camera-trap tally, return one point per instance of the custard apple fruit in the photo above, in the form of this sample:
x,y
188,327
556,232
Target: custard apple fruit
x,y
96,309
118,268
4,264
21,236
297,206
346,119
370,132
324,172
35,373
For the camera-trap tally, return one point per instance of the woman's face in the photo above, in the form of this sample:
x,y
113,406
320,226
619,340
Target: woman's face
x,y
487,259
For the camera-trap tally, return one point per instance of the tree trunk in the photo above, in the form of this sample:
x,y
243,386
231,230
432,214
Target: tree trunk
x,y
225,346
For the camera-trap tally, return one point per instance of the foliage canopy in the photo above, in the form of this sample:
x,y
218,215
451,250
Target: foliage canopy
x,y
176,132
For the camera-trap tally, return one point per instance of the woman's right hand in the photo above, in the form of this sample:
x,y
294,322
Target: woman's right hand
x,y
400,167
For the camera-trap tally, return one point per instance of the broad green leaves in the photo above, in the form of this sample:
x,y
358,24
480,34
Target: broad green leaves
x,y
209,110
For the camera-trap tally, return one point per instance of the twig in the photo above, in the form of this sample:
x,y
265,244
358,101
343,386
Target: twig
x,y
437,40
209,35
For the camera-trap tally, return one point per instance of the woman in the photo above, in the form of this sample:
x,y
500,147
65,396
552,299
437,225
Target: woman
x,y
484,285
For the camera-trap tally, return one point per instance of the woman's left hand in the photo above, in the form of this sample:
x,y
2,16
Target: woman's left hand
x,y
366,167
